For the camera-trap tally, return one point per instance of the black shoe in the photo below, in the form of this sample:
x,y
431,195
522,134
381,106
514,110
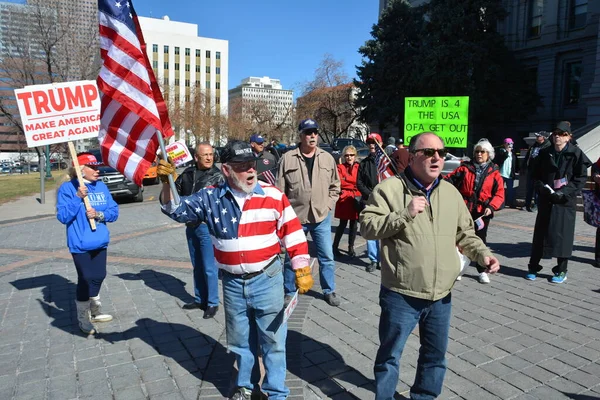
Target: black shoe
x,y
336,252
378,266
332,299
371,267
194,306
351,252
210,312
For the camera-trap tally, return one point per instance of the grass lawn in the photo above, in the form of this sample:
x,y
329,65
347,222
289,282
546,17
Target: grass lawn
x,y
14,186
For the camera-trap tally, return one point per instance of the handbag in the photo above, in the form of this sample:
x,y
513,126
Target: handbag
x,y
591,208
358,203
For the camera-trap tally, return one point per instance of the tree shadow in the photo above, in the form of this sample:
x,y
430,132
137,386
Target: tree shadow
x,y
201,355
58,300
161,282
322,366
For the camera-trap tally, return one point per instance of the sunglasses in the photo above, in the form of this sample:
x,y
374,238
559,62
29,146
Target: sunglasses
x,y
430,152
94,167
311,133
563,134
349,155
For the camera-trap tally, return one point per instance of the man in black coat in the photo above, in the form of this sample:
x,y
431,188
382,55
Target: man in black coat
x,y
529,164
367,180
559,177
206,278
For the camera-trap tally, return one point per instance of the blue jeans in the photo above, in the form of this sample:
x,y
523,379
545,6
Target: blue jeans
x,y
509,192
206,276
321,236
399,316
253,315
373,250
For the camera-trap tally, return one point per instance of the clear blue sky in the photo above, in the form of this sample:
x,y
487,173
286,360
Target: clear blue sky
x,y
284,39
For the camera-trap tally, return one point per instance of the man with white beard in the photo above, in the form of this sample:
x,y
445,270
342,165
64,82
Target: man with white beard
x,y
247,219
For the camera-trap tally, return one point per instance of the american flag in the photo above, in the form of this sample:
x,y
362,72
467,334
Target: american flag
x,y
383,163
269,176
132,108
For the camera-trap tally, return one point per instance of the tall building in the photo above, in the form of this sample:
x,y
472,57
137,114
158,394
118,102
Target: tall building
x,y
43,41
191,70
262,100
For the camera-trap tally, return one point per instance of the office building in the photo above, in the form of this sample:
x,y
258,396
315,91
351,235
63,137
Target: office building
x,y
261,99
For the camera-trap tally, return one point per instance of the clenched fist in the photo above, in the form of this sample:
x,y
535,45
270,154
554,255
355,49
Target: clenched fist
x,y
417,205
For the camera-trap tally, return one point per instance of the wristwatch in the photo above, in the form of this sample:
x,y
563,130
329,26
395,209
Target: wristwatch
x,y
99,216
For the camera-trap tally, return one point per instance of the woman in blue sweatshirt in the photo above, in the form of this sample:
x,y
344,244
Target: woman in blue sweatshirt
x,y
87,247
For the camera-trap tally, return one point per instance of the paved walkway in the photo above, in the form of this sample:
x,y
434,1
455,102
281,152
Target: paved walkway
x,y
512,339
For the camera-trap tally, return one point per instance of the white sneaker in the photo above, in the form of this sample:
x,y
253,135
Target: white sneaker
x,y
458,278
484,278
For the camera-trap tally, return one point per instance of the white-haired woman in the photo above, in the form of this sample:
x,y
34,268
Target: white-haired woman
x,y
481,185
87,247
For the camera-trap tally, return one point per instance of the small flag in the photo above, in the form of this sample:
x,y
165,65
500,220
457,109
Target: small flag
x,y
268,175
382,162
479,224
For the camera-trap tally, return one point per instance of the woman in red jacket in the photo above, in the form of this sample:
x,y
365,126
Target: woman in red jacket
x,y
346,206
481,185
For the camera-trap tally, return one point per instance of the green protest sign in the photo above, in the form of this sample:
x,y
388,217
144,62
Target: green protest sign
x,y
448,117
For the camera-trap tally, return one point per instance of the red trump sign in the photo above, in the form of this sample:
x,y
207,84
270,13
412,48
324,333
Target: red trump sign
x,y
59,112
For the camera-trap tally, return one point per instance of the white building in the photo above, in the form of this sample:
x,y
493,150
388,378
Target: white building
x,y
266,92
186,64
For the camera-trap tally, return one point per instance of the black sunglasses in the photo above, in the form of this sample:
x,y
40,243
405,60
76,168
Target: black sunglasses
x,y
310,132
428,152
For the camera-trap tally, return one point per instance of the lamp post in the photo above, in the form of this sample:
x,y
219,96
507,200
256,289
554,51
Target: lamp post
x,y
47,156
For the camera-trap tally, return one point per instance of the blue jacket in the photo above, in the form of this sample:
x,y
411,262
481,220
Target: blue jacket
x,y
71,212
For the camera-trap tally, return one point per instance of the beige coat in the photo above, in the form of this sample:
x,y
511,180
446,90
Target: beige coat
x,y
418,255
313,202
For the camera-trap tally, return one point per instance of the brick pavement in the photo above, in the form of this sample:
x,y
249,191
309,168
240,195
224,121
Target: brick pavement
x,y
512,339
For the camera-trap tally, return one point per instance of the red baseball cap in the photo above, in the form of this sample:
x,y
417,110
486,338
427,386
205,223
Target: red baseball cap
x,y
374,137
87,159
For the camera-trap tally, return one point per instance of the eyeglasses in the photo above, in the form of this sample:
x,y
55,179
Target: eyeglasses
x,y
243,166
310,132
430,152
479,151
349,155
563,134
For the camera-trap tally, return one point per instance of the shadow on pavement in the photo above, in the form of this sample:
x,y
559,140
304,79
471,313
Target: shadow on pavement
x,y
199,354
161,282
580,396
58,299
330,366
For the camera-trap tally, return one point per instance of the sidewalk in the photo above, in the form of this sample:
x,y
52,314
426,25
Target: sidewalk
x,y
511,339
28,207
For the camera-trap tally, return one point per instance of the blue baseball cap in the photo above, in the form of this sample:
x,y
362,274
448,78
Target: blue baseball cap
x,y
256,138
308,124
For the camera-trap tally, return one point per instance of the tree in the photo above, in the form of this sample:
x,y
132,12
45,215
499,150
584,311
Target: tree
x,y
330,99
42,43
443,48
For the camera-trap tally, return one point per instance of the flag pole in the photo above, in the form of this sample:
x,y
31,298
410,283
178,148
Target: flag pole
x,y
174,193
392,162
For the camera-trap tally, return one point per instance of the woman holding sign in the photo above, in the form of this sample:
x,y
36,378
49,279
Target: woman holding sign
x,y
87,246
481,185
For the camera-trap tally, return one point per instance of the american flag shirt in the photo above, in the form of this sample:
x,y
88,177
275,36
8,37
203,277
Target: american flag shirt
x,y
245,240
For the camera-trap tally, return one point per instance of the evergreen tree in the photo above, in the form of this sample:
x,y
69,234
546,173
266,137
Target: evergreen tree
x,y
443,48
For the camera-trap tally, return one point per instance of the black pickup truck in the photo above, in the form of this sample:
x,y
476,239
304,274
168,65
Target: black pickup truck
x,y
118,185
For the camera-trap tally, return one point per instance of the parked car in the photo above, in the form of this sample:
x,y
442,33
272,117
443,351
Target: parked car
x,y
151,177
34,168
328,148
451,162
339,143
362,153
5,170
117,184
